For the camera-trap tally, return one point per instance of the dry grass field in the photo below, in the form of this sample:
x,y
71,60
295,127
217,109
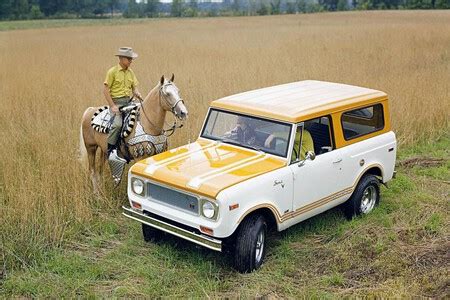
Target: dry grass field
x,y
49,76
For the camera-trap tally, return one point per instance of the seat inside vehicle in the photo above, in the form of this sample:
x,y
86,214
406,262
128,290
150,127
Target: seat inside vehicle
x,y
321,136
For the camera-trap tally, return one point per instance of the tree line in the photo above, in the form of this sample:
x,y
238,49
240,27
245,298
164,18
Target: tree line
x,y
40,9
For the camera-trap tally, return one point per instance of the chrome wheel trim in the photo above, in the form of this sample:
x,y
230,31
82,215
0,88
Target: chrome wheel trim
x,y
259,246
368,200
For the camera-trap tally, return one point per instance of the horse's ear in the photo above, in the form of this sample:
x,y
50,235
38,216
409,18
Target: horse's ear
x,y
162,80
173,77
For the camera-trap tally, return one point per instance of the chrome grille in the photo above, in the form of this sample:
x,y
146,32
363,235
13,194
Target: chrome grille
x,y
173,198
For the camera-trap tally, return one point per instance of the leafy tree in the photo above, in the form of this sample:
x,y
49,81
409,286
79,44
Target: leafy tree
x,y
263,9
442,4
342,5
364,5
132,10
329,4
235,6
301,4
151,8
20,9
276,7
291,7
193,5
175,10
48,7
99,7
78,6
5,9
35,12
112,4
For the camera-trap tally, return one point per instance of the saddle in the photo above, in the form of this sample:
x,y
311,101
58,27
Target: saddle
x,y
102,120
139,145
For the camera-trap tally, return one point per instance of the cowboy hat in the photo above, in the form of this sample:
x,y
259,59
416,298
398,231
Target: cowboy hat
x,y
126,52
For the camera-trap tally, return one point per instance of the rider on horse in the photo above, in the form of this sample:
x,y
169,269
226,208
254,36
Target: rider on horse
x,y
119,87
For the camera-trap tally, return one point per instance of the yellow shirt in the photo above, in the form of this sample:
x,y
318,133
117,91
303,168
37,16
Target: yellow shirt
x,y
120,82
307,145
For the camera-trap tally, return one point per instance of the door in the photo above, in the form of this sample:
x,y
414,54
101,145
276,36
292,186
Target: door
x,y
317,182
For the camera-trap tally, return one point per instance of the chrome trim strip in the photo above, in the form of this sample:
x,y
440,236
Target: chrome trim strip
x,y
203,240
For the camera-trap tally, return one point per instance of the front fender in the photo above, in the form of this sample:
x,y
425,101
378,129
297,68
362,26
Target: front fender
x,y
273,190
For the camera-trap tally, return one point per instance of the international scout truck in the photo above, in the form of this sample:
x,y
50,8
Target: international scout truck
x,y
266,160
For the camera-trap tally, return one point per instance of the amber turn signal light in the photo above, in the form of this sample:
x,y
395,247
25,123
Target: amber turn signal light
x,y
233,206
136,205
206,230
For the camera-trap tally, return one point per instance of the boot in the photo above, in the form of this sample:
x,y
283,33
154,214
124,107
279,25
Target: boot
x,y
110,148
112,154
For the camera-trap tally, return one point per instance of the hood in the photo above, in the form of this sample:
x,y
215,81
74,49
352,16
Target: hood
x,y
205,167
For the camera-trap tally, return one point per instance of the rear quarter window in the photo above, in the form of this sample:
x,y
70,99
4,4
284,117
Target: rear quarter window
x,y
362,121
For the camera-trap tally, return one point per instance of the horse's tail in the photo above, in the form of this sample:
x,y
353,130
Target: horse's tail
x,y
82,151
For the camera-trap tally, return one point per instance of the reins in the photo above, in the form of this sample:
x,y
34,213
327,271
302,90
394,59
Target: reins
x,y
166,132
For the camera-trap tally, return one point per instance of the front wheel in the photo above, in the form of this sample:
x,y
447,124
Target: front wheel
x,y
365,197
250,247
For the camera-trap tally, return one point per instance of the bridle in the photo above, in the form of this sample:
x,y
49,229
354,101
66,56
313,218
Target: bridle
x,y
163,99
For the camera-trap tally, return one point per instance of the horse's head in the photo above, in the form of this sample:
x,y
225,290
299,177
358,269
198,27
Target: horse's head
x,y
171,100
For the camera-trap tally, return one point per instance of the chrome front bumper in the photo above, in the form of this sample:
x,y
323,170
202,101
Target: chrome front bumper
x,y
194,237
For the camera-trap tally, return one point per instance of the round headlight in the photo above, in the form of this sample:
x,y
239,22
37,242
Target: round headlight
x,y
137,186
208,209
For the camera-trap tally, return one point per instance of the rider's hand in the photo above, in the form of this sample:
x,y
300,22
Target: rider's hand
x,y
115,109
138,95
268,141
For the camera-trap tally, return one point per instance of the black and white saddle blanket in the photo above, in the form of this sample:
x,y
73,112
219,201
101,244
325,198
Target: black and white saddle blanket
x,y
102,120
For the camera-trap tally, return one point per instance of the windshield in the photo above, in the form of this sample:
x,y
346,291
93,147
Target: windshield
x,y
250,132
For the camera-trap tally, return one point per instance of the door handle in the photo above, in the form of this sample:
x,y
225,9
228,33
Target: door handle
x,y
336,161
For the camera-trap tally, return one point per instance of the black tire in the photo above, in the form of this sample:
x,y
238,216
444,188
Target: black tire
x,y
248,256
151,234
364,198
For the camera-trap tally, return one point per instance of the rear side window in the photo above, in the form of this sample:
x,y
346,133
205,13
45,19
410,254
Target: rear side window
x,y
362,121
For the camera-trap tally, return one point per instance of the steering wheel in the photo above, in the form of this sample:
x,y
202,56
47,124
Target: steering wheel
x,y
276,141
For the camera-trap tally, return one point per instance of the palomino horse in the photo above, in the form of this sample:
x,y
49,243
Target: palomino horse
x,y
164,97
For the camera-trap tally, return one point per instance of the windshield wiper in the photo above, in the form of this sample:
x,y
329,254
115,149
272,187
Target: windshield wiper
x,y
227,140
236,143
254,148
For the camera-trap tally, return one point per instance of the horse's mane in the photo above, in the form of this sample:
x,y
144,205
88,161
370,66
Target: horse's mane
x,y
154,90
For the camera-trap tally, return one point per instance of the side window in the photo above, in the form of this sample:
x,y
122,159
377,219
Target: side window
x,y
362,121
315,136
321,134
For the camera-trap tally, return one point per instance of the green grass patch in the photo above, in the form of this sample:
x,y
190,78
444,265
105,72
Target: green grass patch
x,y
398,250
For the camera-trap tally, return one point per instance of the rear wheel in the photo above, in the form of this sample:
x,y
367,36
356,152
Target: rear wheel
x,y
250,246
365,197
151,234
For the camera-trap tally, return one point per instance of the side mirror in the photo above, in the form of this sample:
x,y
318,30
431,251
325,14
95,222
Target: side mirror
x,y
310,155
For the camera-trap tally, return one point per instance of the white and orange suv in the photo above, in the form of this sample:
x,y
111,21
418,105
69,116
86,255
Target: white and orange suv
x,y
267,159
